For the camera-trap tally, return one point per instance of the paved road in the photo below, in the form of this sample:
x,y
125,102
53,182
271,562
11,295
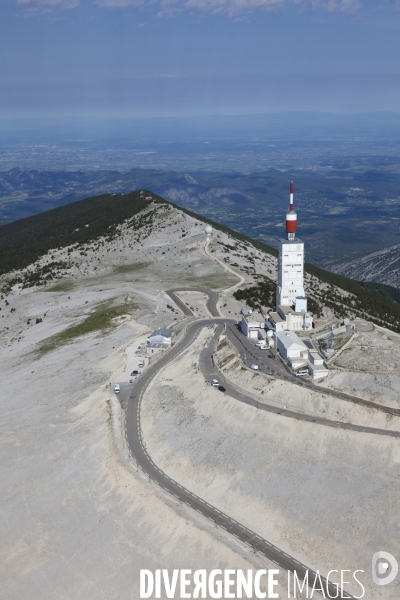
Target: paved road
x,y
131,396
212,299
273,366
210,372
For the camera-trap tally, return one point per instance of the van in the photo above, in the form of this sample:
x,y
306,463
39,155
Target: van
x,y
116,388
302,372
261,344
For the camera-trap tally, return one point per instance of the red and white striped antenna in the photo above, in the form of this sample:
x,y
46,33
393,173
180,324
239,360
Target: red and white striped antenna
x,y
291,195
291,216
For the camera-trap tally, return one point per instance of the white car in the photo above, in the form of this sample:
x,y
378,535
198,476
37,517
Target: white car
x,y
255,367
141,364
116,388
215,382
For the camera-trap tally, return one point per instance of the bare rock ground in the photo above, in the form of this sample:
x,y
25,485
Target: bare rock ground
x,y
284,393
78,520
369,367
328,497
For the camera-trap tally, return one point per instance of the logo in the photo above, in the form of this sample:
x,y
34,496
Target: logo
x,y
384,568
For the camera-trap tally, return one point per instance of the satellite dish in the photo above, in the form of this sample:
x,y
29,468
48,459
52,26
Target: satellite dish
x,y
208,230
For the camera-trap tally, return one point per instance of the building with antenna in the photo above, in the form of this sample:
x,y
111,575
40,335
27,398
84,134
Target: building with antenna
x,y
291,302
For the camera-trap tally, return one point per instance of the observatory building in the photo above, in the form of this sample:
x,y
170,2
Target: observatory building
x,y
291,302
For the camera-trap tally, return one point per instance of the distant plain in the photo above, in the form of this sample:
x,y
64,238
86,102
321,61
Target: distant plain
x,y
234,170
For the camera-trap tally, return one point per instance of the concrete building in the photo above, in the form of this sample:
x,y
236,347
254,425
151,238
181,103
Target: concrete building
x,y
293,351
252,324
291,302
288,319
316,365
290,273
160,338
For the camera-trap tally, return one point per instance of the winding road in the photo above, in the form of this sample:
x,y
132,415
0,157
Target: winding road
x,y
131,397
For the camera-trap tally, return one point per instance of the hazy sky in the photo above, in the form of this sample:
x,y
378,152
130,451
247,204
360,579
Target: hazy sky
x,y
193,57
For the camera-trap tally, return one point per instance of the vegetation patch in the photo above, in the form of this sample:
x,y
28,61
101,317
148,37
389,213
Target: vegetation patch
x,y
213,282
131,268
221,345
25,241
101,319
258,296
63,286
224,361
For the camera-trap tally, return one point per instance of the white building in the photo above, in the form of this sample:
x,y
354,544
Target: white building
x,y
316,365
160,338
287,318
290,273
252,324
291,302
293,351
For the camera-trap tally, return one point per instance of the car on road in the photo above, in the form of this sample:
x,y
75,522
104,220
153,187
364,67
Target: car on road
x,y
141,364
134,373
254,367
221,388
215,382
116,388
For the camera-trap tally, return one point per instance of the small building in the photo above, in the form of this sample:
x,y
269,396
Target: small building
x,y
160,338
300,304
316,365
293,351
317,371
287,318
315,358
251,324
276,321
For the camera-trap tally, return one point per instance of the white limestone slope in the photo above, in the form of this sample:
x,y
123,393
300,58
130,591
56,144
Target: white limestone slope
x,y
78,520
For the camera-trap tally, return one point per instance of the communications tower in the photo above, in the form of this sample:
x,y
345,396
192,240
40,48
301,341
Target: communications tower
x,y
290,290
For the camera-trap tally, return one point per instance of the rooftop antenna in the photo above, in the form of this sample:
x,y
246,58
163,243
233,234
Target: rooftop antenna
x,y
291,216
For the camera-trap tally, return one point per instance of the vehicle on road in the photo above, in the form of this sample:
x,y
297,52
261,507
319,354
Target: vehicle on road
x,y
261,344
215,382
134,373
254,367
221,388
116,388
302,372
141,364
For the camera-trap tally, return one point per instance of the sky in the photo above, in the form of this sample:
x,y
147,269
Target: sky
x,y
150,58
